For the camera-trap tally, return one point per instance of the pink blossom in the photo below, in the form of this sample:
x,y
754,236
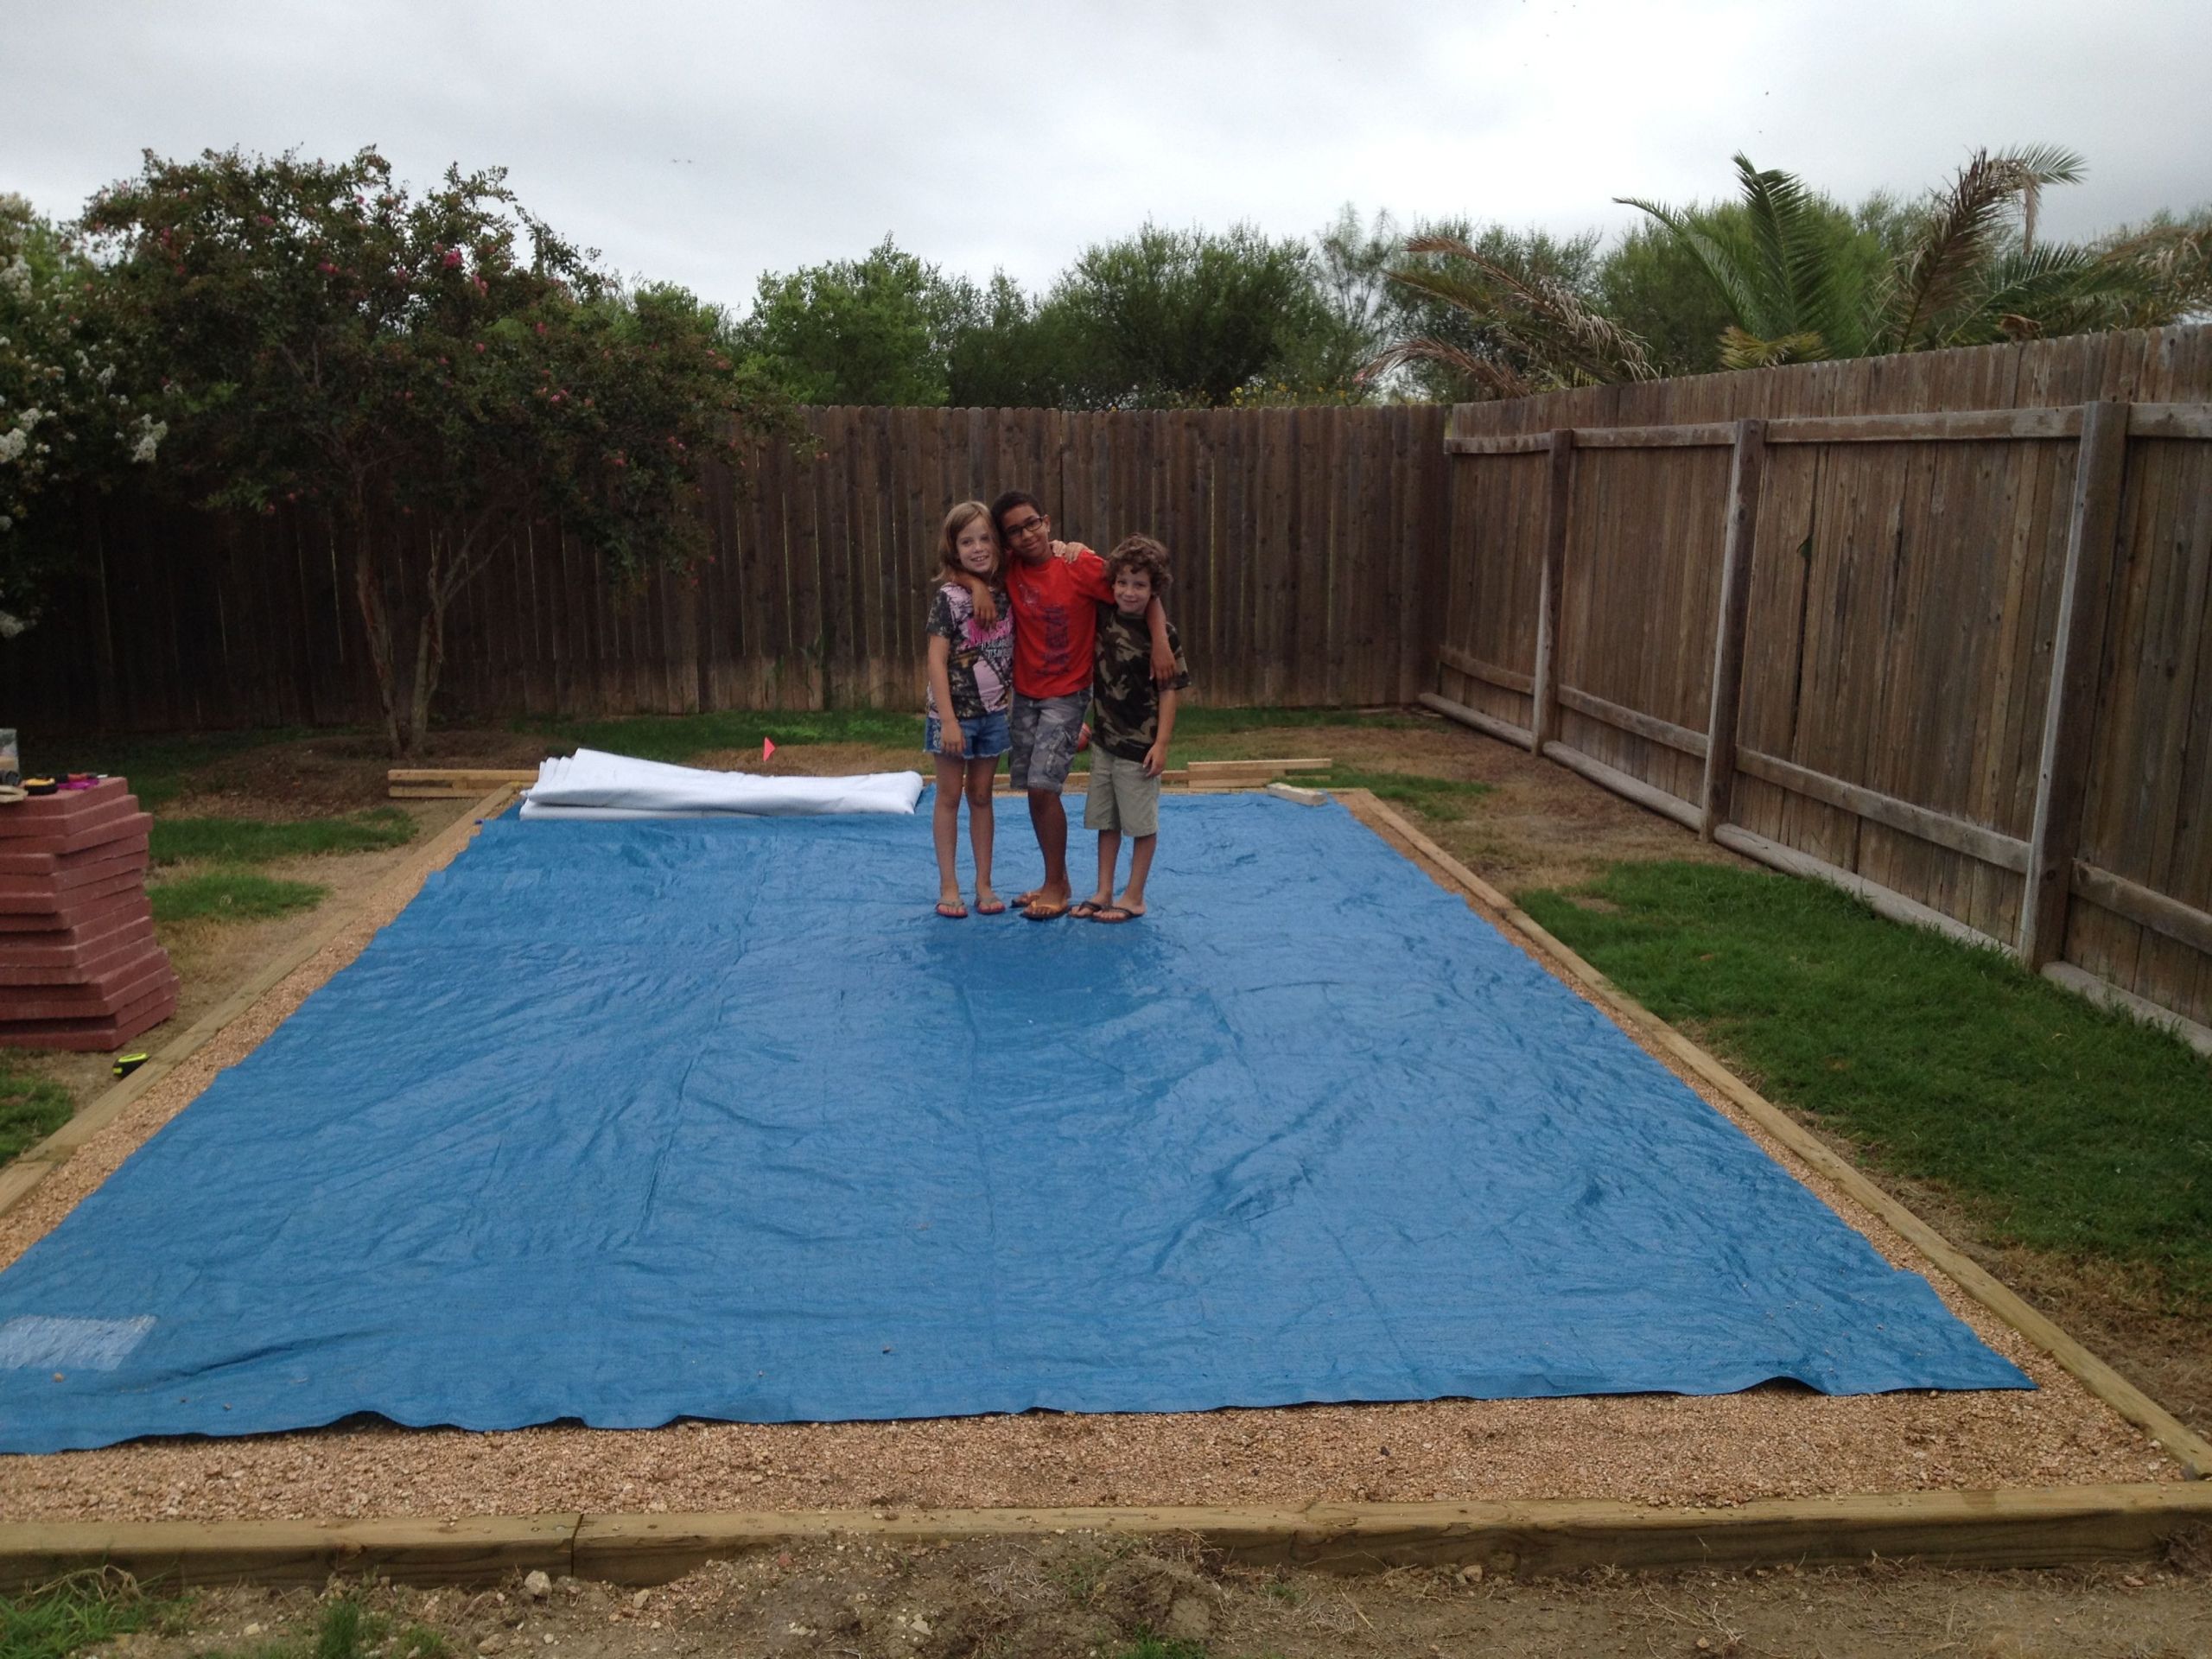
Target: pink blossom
x,y
453,257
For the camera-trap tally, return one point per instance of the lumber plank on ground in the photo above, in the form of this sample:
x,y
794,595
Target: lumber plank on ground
x,y
419,1549
2048,1527
483,777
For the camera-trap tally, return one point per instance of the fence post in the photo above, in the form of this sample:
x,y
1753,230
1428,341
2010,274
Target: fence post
x,y
1543,713
1745,469
2069,707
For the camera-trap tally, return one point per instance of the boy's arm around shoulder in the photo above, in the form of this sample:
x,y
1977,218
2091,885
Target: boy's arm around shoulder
x,y
1163,665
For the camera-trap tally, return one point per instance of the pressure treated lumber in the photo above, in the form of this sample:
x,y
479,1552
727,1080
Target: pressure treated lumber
x,y
1634,721
1972,425
473,1549
2106,994
1879,899
1992,846
1489,725
1506,679
1532,1537
1635,789
2139,904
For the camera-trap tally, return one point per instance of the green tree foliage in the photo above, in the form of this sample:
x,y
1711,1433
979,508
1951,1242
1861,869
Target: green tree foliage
x,y
1006,349
1801,280
1171,317
872,330
431,369
69,416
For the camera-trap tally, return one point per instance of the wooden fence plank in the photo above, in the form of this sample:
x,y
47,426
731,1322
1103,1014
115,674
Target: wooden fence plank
x,y
2092,523
1558,497
1746,472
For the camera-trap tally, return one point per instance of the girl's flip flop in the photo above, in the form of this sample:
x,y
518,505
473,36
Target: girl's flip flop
x,y
951,910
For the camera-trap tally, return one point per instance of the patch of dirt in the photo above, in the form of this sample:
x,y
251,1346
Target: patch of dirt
x,y
1093,1596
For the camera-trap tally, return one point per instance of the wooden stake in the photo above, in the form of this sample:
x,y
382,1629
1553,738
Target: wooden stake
x,y
2077,655
1745,473
1543,719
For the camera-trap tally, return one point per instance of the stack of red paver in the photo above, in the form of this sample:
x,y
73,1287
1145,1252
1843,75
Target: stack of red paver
x,y
78,964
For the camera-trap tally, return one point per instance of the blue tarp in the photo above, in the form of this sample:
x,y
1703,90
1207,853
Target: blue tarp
x,y
620,1122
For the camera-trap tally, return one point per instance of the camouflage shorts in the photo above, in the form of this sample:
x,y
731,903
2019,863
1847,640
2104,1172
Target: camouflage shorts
x,y
1043,731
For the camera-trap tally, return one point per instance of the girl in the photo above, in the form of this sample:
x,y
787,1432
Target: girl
x,y
971,683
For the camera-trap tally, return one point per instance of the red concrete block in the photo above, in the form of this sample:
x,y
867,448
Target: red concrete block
x,y
40,834
84,966
67,947
64,908
40,815
120,859
20,855
136,977
96,1035
54,926
45,866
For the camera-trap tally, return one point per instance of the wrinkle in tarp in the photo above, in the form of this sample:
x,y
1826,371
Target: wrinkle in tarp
x,y
621,1122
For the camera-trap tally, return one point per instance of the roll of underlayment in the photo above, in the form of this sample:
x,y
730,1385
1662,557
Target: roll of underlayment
x,y
592,783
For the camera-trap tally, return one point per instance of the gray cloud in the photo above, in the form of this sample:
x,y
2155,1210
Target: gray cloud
x,y
706,144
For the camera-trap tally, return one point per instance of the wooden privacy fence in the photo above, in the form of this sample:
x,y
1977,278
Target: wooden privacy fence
x,y
1934,628
1304,542
1935,625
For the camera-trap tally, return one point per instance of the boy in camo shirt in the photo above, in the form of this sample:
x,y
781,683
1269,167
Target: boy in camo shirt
x,y
1132,719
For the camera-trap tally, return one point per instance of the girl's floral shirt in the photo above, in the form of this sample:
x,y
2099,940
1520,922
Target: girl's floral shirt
x,y
980,663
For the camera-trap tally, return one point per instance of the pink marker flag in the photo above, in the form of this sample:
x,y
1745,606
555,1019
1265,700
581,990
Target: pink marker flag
x,y
767,749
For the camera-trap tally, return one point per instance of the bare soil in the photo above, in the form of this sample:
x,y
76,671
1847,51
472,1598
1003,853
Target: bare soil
x,y
1084,1596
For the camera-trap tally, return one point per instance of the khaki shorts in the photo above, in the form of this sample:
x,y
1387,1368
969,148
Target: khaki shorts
x,y
1122,797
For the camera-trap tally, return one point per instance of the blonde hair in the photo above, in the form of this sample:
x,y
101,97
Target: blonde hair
x,y
949,568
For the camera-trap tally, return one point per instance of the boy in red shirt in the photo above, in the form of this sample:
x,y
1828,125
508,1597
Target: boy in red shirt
x,y
1055,630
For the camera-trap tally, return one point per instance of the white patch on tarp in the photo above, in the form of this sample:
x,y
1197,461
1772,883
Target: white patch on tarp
x,y
86,1345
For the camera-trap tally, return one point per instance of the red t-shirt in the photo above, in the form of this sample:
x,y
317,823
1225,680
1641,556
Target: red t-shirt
x,y
1055,622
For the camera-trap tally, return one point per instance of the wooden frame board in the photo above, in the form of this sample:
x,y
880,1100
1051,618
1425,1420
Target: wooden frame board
x,y
2008,1528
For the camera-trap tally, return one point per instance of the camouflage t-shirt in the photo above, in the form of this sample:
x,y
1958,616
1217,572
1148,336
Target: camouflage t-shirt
x,y
1125,700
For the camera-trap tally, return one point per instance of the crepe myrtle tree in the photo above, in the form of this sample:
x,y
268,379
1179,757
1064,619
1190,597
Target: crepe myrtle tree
x,y
433,369
69,420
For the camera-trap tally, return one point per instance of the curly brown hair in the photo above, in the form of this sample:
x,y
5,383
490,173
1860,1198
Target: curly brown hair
x,y
1139,553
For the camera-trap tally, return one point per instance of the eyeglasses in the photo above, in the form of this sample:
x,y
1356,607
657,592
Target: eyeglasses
x,y
1024,527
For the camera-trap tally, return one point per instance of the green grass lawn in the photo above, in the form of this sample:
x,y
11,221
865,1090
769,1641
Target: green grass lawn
x,y
2065,1127
228,893
82,1610
30,1108
255,840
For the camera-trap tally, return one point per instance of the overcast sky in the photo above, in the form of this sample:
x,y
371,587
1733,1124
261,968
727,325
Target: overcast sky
x,y
705,143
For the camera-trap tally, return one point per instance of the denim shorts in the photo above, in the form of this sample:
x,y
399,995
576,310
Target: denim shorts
x,y
986,735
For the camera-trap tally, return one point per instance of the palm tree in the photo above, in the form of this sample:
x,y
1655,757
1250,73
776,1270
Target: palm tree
x,y
1967,270
1533,332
